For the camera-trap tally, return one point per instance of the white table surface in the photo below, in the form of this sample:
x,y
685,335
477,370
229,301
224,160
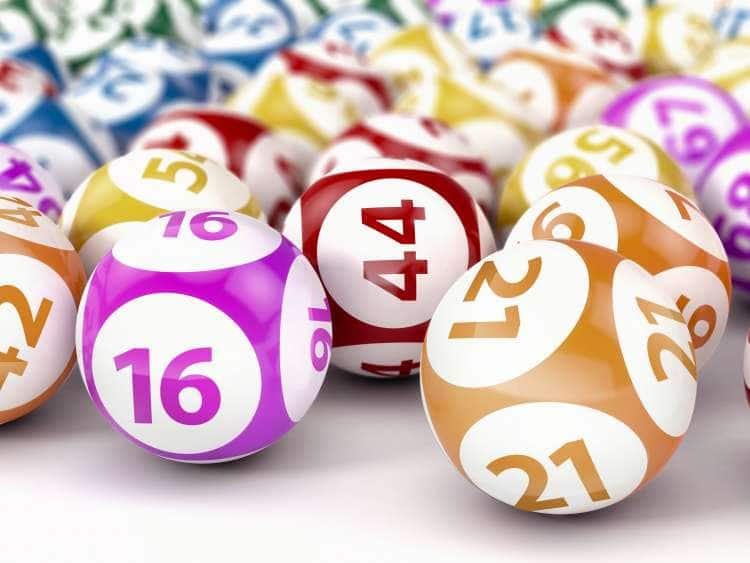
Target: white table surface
x,y
360,479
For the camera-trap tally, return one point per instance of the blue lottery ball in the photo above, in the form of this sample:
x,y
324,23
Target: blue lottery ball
x,y
361,29
732,22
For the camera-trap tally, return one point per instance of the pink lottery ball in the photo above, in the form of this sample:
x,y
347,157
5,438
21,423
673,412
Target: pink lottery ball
x,y
23,177
204,336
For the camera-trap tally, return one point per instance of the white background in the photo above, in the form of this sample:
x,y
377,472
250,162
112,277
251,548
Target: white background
x,y
360,479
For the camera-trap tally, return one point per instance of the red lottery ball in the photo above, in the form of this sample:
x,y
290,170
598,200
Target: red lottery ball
x,y
419,138
241,144
388,237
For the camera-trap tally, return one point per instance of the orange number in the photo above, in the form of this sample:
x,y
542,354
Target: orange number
x,y
570,220
24,214
658,343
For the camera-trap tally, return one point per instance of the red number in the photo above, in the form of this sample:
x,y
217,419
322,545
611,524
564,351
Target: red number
x,y
373,217
409,267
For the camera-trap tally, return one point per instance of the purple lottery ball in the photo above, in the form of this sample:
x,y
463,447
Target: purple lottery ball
x,y
724,194
688,117
23,177
204,336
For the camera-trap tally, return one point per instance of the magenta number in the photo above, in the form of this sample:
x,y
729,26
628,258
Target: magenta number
x,y
737,238
199,225
698,142
172,384
320,336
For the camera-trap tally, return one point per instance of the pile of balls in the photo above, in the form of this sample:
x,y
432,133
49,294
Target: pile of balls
x,y
204,204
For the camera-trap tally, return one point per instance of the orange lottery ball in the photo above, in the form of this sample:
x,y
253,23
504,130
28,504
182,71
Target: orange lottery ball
x,y
654,226
558,376
41,281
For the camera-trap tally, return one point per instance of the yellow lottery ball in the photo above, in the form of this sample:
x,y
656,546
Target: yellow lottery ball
x,y
306,114
676,38
581,152
115,199
418,51
493,122
728,66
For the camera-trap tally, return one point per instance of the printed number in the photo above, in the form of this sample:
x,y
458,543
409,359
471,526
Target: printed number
x,y
703,314
682,204
409,266
153,171
658,342
172,384
571,221
320,337
23,215
12,178
698,141
488,274
32,324
404,369
736,240
621,150
576,452
198,225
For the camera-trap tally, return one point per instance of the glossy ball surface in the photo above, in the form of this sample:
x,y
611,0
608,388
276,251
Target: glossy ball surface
x,y
423,139
21,176
241,144
688,117
387,238
213,373
655,227
360,29
118,197
558,405
581,152
41,281
562,88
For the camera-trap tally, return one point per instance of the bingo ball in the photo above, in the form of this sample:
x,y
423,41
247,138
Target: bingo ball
x,y
412,137
57,135
239,143
688,117
126,96
387,238
676,38
581,152
121,195
557,405
562,88
232,341
238,35
654,226
728,66
496,125
332,63
21,176
41,281
724,194
305,113
421,50
360,29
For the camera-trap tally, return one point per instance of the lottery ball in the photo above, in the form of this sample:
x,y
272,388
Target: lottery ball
x,y
366,89
56,134
124,193
559,86
599,30
496,125
21,176
420,50
387,238
238,35
488,31
305,113
125,96
724,194
604,379
584,151
361,29
241,144
688,117
677,37
233,337
728,66
412,137
41,281
654,226
746,367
